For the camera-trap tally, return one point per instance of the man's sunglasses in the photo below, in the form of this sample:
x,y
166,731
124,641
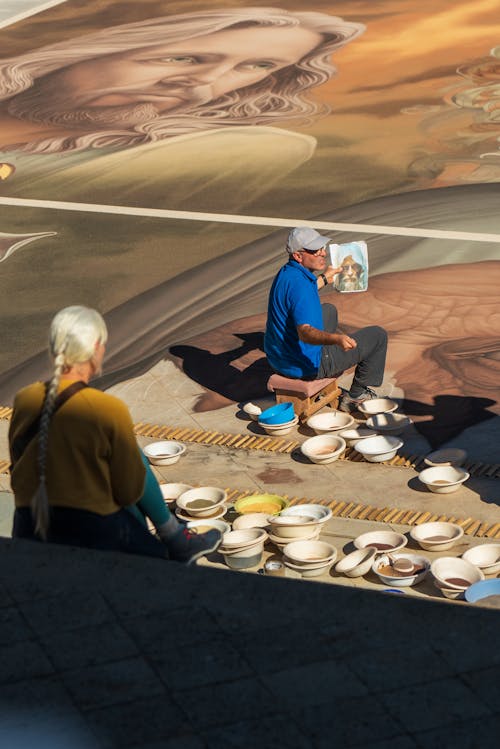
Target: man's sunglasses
x,y
313,252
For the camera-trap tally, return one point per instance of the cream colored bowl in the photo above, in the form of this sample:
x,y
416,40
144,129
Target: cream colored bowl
x,y
202,501
357,563
329,421
484,556
437,536
324,448
443,479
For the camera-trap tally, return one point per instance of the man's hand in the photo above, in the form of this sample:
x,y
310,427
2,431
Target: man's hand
x,y
345,342
331,272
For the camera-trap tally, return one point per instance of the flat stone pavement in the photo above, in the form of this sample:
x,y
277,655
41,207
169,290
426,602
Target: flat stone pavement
x,y
108,650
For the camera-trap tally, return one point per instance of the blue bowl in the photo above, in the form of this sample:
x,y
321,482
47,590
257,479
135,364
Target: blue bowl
x,y
482,589
279,414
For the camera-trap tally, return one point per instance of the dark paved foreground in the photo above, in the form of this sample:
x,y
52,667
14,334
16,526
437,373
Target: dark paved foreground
x,y
106,650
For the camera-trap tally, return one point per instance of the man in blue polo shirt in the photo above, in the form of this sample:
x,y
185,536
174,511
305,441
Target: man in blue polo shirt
x,y
301,339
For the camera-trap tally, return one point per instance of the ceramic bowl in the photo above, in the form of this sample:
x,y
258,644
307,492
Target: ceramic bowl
x,y
381,541
293,526
377,406
324,448
307,570
252,410
163,453
281,541
251,520
391,577
379,448
319,512
357,563
310,553
454,573
454,593
450,456
329,421
355,434
436,536
482,590
271,504
219,512
443,479
278,414
484,556
172,492
234,540
389,423
278,430
243,559
202,526
202,501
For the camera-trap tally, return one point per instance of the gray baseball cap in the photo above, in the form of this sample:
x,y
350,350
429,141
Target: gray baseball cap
x,y
303,237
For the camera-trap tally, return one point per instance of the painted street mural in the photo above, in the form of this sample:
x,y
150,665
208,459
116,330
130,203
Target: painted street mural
x,y
113,118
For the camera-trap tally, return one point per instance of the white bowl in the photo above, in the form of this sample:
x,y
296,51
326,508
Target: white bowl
x,y
436,536
377,406
381,541
251,520
307,570
202,501
357,563
164,453
485,556
319,512
389,423
233,540
219,512
310,553
355,434
379,448
401,580
329,421
454,573
278,430
201,526
172,492
252,410
455,593
293,526
281,541
244,558
443,479
450,456
324,448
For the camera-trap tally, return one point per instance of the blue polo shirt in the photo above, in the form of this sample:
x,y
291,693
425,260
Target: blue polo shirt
x,y
293,301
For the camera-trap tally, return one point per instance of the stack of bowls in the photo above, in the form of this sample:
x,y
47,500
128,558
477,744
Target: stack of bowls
x,y
329,421
449,456
486,557
310,558
279,419
379,448
302,522
243,549
202,502
443,479
437,536
324,448
164,453
453,576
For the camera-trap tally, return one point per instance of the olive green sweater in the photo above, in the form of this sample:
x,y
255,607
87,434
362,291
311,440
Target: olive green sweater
x,y
93,460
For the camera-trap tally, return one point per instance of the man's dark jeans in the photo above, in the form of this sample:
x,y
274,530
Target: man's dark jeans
x,y
368,357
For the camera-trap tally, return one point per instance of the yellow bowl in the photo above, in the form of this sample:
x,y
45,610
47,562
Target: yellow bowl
x,y
271,504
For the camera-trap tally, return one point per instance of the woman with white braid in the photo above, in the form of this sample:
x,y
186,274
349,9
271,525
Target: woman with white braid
x,y
77,473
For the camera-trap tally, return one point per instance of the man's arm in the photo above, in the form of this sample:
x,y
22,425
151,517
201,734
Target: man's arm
x,y
308,334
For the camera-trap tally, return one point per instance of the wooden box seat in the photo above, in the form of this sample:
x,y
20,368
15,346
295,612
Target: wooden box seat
x,y
307,396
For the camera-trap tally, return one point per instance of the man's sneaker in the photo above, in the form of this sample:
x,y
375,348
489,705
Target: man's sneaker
x,y
187,547
349,404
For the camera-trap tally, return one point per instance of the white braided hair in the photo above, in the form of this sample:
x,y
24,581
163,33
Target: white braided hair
x,y
74,333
